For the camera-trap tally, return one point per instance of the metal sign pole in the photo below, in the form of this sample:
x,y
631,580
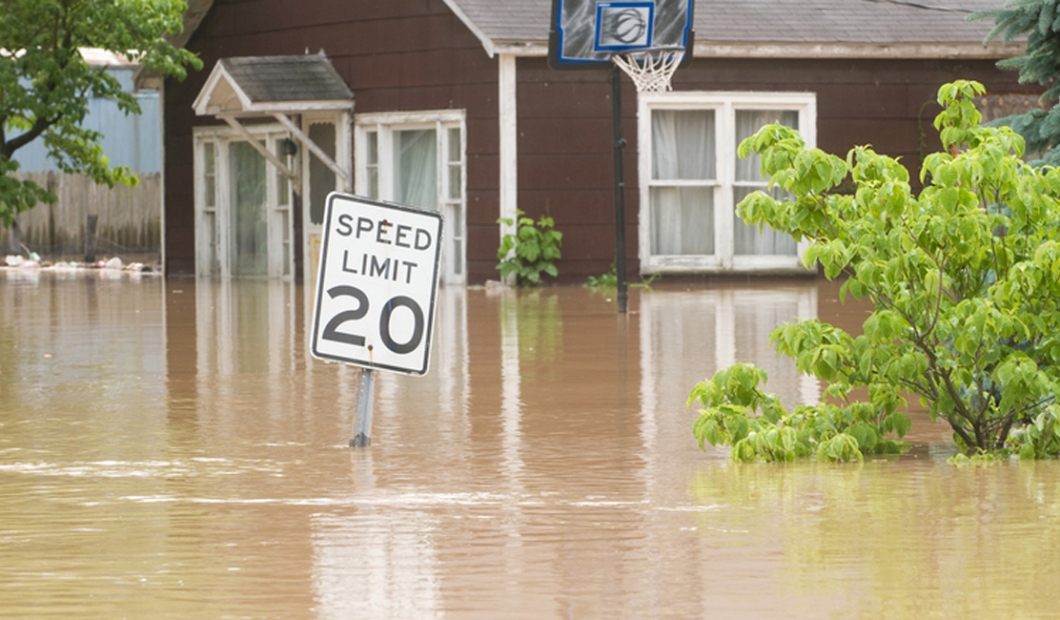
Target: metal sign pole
x,y
362,428
620,188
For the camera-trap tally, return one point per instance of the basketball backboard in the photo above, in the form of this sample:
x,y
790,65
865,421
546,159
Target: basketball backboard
x,y
587,33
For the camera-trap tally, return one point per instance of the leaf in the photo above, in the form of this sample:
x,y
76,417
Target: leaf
x,y
899,423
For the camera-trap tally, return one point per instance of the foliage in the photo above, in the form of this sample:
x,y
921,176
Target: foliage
x,y
531,250
610,280
45,83
965,280
1039,22
604,280
738,413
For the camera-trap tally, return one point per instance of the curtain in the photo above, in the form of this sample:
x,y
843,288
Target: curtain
x,y
249,224
416,168
747,239
683,149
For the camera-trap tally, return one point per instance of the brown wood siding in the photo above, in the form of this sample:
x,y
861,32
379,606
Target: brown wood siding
x,y
565,156
395,56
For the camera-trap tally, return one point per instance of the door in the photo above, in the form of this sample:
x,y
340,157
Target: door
x,y
243,224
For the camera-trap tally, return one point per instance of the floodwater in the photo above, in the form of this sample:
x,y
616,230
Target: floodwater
x,y
168,449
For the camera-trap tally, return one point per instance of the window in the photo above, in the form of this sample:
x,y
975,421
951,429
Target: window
x,y
243,223
691,180
417,158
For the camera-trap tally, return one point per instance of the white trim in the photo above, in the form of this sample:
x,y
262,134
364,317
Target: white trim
x,y
507,82
202,106
162,176
818,51
487,43
932,51
725,105
520,48
420,117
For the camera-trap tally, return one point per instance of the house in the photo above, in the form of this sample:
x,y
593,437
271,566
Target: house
x,y
451,105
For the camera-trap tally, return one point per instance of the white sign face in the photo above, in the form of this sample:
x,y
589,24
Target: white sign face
x,y
376,284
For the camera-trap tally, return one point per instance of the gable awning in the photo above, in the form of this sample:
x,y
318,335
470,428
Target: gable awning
x,y
276,87
263,85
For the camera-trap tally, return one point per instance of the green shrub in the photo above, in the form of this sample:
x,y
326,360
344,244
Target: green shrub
x,y
964,277
531,250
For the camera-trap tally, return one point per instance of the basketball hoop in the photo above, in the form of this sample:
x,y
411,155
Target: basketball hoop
x,y
650,68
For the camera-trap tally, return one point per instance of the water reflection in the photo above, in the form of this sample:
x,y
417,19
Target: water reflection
x,y
169,449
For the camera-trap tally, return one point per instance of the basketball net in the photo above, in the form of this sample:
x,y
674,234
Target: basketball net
x,y
650,69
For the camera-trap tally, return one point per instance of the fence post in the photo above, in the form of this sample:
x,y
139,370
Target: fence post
x,y
14,239
90,239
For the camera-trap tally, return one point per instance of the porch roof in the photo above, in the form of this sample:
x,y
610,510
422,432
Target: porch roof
x,y
266,85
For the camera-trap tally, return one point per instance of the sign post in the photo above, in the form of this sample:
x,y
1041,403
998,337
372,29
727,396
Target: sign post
x,y
376,290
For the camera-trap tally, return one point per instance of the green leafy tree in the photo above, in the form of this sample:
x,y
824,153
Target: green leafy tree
x,y
1039,21
965,282
45,83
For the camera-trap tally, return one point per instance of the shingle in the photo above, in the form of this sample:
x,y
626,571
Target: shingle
x,y
771,21
287,78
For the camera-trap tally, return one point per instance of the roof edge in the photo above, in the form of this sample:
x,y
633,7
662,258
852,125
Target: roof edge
x,y
810,51
201,105
487,42
904,51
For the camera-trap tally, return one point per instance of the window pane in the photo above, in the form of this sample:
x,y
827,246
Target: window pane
x,y
456,220
373,183
372,148
416,168
455,182
209,157
747,123
250,247
285,234
209,233
321,178
748,240
282,189
683,144
455,147
682,220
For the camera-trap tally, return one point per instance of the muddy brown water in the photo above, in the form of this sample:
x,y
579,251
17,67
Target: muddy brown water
x,y
170,450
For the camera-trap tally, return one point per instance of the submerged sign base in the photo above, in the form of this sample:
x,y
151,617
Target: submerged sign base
x,y
377,284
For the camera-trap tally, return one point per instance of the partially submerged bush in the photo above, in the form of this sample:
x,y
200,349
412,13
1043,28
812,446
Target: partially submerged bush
x,y
531,250
965,279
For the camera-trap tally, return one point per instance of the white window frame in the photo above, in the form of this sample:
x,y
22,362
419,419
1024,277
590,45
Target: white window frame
x,y
724,105
385,124
215,262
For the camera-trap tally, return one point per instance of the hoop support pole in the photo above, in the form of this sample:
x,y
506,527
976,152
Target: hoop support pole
x,y
620,188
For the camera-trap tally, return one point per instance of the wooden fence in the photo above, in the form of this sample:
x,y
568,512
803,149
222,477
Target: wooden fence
x,y
128,219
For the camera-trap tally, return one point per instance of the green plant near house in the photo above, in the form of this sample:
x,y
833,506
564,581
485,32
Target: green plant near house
x,y
610,280
531,250
965,280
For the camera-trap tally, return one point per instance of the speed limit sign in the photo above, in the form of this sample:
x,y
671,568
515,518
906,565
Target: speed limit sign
x,y
377,284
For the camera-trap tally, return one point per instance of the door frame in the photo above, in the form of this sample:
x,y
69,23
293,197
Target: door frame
x,y
213,242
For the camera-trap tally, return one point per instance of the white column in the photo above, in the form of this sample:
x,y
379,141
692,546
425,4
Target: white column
x,y
509,133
